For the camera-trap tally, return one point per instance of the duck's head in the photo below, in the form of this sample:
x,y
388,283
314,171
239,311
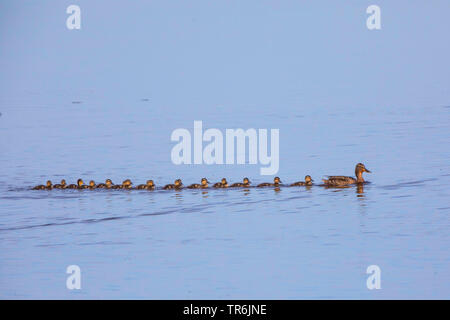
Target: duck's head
x,y
360,168
80,182
63,182
92,183
178,183
246,181
308,179
150,183
224,181
277,180
48,183
205,182
108,182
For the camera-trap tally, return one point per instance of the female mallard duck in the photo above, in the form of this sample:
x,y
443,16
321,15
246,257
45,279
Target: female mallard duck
x,y
308,182
80,185
107,185
47,186
92,185
276,183
60,186
176,185
338,181
222,184
203,184
148,186
245,183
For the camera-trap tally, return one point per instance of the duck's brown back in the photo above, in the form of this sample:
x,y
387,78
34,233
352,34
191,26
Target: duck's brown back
x,y
339,180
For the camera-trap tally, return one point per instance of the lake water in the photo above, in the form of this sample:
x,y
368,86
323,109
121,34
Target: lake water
x,y
102,102
253,243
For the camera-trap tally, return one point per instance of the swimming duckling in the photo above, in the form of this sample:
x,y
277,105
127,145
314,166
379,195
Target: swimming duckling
x,y
127,184
245,183
60,186
107,185
338,181
92,185
47,186
177,185
148,186
308,182
202,185
222,184
80,185
276,183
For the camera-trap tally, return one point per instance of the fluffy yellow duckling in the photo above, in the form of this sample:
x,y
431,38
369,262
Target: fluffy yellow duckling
x,y
222,184
149,185
276,183
308,182
126,184
48,186
203,184
176,185
92,185
80,185
62,185
245,183
107,185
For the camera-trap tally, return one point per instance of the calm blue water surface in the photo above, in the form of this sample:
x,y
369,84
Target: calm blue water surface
x,y
103,101
255,243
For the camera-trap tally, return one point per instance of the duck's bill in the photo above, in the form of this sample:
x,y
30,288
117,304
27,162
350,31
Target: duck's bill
x,y
367,170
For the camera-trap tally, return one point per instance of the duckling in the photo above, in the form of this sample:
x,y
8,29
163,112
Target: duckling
x,y
202,185
308,182
338,181
126,184
148,186
92,185
80,185
60,186
222,184
245,183
107,185
47,186
177,185
276,183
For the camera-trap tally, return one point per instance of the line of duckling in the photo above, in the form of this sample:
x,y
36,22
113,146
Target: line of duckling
x,y
332,181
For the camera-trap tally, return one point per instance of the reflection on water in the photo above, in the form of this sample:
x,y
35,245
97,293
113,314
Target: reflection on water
x,y
360,190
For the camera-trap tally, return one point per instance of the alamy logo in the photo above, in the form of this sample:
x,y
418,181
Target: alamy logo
x,y
74,280
74,20
374,20
213,153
